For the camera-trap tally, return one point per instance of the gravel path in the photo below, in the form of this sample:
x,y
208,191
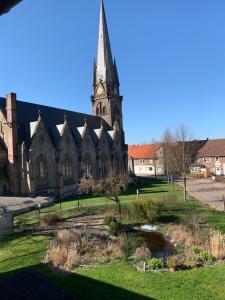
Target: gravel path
x,y
206,190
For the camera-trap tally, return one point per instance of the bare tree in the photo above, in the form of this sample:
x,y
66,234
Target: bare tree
x,y
154,150
179,150
110,187
168,142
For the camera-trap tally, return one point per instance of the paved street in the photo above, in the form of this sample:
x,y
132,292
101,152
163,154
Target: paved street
x,y
18,205
208,191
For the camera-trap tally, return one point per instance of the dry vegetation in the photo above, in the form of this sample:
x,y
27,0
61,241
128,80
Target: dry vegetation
x,y
195,247
72,248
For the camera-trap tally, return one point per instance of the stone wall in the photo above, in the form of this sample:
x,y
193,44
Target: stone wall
x,y
6,223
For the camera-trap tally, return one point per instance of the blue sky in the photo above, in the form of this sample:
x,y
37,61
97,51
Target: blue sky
x,y
170,56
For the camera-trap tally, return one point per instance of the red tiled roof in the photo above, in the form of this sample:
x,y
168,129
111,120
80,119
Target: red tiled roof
x,y
143,151
213,148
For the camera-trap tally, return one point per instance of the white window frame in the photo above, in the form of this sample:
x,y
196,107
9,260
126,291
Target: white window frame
x,y
206,159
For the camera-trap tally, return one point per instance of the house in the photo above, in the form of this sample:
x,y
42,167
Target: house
x,y
212,156
146,160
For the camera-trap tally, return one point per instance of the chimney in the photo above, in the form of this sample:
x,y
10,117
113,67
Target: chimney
x,y
12,143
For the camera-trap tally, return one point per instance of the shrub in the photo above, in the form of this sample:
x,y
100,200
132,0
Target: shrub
x,y
155,263
195,250
172,262
147,210
205,256
113,224
108,220
50,219
142,253
114,228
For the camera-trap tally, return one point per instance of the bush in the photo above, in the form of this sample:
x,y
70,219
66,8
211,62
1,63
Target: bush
x,y
50,219
147,210
155,263
205,256
195,250
172,262
108,220
113,224
114,228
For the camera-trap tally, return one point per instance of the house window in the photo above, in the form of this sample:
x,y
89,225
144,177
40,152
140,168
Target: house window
x,y
150,168
217,158
206,159
142,161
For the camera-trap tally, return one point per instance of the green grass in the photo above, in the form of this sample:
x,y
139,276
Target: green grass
x,y
111,281
151,188
22,250
120,280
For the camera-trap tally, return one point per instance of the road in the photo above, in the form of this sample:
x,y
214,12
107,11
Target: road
x,y
207,190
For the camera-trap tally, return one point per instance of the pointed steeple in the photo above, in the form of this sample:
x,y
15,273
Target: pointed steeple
x,y
116,73
105,67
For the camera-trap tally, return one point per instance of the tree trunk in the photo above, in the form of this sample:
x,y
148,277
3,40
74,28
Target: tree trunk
x,y
185,188
119,205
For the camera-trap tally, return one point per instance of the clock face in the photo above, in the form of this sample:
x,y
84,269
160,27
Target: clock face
x,y
100,90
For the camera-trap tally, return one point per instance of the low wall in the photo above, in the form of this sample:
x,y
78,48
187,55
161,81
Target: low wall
x,y
6,223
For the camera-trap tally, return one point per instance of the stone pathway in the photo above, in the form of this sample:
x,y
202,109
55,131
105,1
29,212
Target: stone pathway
x,y
92,223
17,205
206,190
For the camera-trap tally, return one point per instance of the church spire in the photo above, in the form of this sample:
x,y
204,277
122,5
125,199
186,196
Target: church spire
x,y
104,68
106,99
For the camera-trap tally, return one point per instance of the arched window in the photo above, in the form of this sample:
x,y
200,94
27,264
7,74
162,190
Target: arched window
x,y
67,171
103,110
41,172
86,167
99,109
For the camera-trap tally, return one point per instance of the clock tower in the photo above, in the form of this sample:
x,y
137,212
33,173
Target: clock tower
x,y
106,99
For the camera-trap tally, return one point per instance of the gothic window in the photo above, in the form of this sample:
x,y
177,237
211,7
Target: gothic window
x,y
41,171
67,171
99,109
86,167
103,110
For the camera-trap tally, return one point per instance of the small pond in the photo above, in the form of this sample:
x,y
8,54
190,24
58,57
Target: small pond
x,y
155,240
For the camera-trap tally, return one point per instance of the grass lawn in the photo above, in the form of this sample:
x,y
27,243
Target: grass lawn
x,y
113,281
120,280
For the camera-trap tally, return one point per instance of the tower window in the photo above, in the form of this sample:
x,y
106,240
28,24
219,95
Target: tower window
x,y
99,109
103,110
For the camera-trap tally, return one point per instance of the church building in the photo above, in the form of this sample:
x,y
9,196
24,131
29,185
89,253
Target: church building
x,y
45,149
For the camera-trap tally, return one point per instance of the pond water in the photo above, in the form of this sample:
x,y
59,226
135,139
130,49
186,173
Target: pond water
x,y
155,240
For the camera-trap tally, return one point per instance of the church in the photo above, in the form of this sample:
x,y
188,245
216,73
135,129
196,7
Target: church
x,y
48,150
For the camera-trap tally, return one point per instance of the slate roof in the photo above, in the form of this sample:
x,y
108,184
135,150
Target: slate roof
x,y
51,117
6,5
213,148
143,151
